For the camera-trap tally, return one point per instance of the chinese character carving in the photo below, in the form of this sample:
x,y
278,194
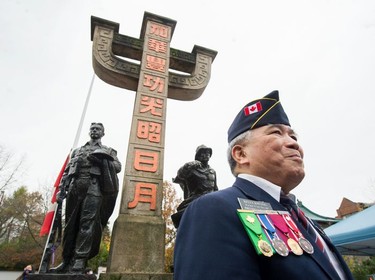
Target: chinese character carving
x,y
153,83
144,192
155,63
146,161
159,30
151,105
149,130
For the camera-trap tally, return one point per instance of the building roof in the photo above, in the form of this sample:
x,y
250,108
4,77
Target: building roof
x,y
348,207
314,216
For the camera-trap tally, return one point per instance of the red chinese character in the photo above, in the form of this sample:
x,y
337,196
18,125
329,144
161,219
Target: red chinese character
x,y
144,192
149,130
146,161
155,63
157,46
153,83
151,105
159,30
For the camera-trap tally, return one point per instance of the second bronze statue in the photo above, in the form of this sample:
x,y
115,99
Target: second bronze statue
x,y
196,178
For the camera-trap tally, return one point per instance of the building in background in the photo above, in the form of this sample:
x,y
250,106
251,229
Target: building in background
x,y
348,208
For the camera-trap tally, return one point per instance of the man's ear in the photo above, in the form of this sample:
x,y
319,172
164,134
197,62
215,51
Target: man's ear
x,y
239,154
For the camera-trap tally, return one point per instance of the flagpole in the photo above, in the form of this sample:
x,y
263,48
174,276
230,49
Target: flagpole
x,y
78,134
44,262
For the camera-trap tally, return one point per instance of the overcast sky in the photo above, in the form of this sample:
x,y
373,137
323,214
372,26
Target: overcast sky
x,y
319,54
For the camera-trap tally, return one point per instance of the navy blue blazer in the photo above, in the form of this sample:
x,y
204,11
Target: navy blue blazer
x,y
212,243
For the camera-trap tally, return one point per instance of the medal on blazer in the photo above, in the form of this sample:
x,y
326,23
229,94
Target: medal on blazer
x,y
265,248
280,223
293,245
271,233
255,226
302,241
255,233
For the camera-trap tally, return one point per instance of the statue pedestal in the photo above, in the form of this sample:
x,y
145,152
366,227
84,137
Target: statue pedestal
x,y
137,246
54,276
103,276
136,276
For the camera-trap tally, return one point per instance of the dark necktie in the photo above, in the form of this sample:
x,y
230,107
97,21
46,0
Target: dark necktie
x,y
299,216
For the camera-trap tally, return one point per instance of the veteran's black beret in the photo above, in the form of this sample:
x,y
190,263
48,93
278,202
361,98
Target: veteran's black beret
x,y
257,113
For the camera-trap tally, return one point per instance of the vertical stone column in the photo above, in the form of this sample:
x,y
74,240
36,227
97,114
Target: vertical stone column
x,y
139,231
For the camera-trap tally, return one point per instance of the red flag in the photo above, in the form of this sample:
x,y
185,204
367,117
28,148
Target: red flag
x,y
48,219
257,107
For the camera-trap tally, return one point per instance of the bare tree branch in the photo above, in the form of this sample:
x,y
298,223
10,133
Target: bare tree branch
x,y
10,169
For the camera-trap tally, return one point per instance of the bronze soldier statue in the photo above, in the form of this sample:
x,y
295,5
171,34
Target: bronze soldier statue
x,y
90,186
196,178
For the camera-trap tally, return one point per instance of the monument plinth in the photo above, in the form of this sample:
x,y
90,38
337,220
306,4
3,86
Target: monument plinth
x,y
137,244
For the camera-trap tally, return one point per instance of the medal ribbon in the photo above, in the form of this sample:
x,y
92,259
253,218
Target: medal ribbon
x,y
254,224
256,234
275,234
280,223
292,225
270,231
266,224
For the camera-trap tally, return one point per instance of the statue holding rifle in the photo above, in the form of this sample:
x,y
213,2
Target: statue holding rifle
x,y
90,187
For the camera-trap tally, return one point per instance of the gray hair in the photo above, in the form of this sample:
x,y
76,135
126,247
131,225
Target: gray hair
x,y
239,140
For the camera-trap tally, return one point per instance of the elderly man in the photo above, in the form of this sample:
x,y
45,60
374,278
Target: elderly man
x,y
90,185
252,230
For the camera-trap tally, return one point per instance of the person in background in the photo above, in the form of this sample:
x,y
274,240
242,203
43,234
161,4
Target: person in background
x,y
26,271
89,271
253,229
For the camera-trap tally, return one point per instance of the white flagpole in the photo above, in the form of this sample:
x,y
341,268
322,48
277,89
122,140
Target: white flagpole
x,y
78,134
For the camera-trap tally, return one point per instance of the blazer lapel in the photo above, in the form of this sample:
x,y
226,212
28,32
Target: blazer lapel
x,y
318,255
336,253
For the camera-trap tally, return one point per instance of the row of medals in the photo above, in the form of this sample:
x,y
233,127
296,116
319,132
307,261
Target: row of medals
x,y
281,248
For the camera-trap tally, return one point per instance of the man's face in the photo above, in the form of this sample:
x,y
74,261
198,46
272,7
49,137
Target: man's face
x,y
96,131
272,152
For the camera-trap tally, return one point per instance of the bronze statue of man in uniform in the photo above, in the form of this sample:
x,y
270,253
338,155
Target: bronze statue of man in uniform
x,y
196,178
90,186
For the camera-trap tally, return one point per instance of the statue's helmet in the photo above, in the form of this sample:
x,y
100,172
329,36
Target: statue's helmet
x,y
200,149
102,154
